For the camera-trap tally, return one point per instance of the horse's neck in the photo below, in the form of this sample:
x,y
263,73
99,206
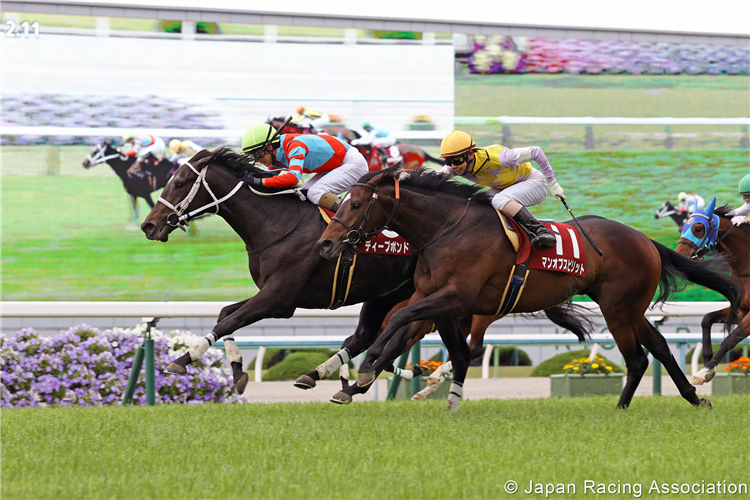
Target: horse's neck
x,y
117,164
411,223
261,220
736,248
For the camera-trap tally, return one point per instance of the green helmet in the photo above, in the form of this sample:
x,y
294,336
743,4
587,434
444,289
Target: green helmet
x,y
127,136
365,124
745,185
256,136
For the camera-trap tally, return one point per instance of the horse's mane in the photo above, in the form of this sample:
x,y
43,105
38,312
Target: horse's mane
x,y
722,212
238,163
430,180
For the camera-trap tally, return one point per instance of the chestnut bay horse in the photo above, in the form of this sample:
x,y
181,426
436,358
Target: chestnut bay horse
x,y
464,263
709,230
280,234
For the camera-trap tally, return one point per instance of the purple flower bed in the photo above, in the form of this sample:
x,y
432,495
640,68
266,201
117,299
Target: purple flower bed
x,y
498,54
85,367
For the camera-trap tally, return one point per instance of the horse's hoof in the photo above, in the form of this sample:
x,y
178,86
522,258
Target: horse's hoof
x,y
703,376
418,370
710,375
365,379
705,403
696,380
418,397
452,404
241,384
341,398
175,369
304,382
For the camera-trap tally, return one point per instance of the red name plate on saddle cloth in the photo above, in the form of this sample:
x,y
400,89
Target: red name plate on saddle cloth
x,y
568,256
385,243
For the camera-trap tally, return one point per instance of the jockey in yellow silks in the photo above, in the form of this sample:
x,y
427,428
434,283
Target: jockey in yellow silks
x,y
516,183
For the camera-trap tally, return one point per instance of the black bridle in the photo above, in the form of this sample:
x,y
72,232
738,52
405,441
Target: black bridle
x,y
354,236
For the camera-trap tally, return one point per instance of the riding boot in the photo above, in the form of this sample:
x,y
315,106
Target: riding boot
x,y
330,201
540,235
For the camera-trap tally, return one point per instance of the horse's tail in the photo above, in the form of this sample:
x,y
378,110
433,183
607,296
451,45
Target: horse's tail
x,y
676,269
427,157
565,315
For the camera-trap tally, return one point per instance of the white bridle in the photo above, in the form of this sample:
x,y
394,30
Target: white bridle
x,y
99,157
183,219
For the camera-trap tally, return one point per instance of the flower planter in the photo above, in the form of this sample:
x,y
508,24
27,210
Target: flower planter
x,y
404,389
730,383
596,384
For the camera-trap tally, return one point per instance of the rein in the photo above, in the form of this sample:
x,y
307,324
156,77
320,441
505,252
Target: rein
x,y
433,240
98,158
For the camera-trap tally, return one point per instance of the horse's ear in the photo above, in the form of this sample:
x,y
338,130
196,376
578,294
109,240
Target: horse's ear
x,y
710,208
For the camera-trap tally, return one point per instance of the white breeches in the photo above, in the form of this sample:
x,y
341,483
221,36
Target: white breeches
x,y
529,192
156,149
340,179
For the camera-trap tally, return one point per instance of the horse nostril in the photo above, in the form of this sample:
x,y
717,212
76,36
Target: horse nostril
x,y
147,227
325,245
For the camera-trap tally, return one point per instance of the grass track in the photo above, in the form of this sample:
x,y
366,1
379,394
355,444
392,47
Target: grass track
x,y
367,450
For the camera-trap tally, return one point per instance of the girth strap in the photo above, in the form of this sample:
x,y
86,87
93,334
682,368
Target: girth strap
x,y
514,288
342,277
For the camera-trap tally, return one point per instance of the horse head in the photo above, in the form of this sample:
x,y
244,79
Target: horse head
x,y
700,232
290,128
188,195
101,153
665,210
366,212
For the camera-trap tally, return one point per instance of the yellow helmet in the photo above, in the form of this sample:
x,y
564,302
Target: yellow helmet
x,y
681,196
174,145
456,143
300,109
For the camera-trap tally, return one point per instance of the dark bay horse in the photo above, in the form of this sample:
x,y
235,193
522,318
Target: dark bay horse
x,y
157,172
733,243
465,260
280,234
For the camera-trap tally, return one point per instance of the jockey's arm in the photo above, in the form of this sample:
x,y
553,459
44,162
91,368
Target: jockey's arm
x,y
294,175
743,210
518,156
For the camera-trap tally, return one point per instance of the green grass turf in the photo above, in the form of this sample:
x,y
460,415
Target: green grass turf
x,y
369,450
63,237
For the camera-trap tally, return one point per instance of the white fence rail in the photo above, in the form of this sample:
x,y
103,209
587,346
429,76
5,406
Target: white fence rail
x,y
14,130
32,309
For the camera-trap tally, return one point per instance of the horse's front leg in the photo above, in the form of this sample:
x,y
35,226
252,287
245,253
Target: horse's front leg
x,y
270,302
706,374
371,317
729,343
446,302
450,332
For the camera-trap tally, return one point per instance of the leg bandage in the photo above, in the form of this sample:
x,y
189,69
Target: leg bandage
x,y
199,349
457,389
338,359
404,374
233,352
344,371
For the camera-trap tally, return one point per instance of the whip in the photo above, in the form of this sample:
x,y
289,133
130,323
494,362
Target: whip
x,y
582,229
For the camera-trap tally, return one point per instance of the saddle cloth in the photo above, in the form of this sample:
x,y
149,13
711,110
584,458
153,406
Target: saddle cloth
x,y
568,256
385,243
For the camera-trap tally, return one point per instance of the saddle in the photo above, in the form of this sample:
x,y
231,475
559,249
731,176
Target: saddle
x,y
568,256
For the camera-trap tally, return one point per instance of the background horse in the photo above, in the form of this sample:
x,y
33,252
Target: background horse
x,y
465,260
280,234
413,156
157,174
668,210
733,243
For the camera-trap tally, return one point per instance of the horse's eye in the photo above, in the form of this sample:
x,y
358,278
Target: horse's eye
x,y
178,184
356,206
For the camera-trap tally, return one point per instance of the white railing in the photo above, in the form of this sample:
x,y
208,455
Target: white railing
x,y
13,130
32,309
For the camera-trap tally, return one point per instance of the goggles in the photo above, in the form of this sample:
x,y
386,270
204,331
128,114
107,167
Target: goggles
x,y
457,160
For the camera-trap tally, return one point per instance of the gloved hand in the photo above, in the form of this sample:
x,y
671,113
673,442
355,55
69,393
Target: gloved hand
x,y
556,191
254,180
739,219
130,153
